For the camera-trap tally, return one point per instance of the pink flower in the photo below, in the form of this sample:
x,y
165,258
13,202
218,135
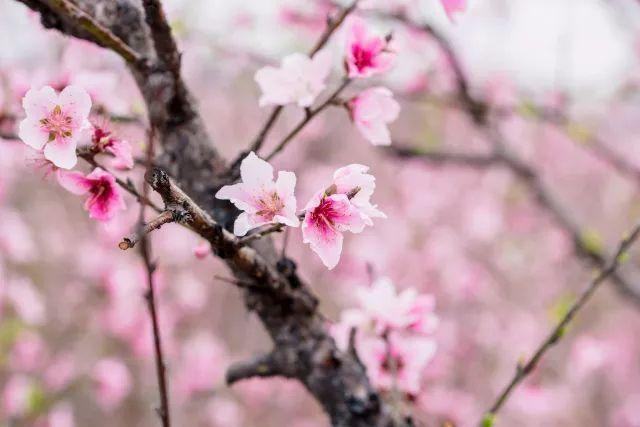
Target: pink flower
x,y
453,7
61,415
104,140
202,250
262,200
399,362
113,383
55,122
367,54
404,311
327,217
299,79
354,177
201,365
15,395
371,111
104,195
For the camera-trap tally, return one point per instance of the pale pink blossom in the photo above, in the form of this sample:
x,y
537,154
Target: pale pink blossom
x,y
299,79
61,415
371,111
201,364
354,181
28,353
223,412
104,199
326,218
104,140
55,122
397,362
453,7
112,383
404,311
367,54
15,395
262,200
16,237
27,301
59,372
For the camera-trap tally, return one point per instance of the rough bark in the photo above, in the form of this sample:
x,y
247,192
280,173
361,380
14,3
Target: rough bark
x,y
271,286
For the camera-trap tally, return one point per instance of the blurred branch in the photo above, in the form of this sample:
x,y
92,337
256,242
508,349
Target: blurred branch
x,y
558,331
478,111
308,117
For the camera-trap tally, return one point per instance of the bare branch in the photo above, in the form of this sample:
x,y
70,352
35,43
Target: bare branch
x,y
164,218
308,118
145,252
332,25
558,331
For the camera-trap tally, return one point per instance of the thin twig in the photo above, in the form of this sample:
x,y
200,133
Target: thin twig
x,y
332,25
558,331
308,117
145,251
130,241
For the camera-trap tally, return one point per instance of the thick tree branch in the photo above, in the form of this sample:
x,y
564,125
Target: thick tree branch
x,y
558,331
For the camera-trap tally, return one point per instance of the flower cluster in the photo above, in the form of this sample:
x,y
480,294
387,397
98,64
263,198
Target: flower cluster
x,y
301,79
55,124
343,206
394,335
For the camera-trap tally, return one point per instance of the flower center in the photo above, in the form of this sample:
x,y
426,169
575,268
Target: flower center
x,y
270,205
362,58
323,216
57,124
392,363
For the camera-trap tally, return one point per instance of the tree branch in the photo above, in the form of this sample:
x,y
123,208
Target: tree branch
x,y
558,331
164,218
268,365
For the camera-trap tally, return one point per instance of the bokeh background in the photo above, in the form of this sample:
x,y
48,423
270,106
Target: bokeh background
x,y
74,334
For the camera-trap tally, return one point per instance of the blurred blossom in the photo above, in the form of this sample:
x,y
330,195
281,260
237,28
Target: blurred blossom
x,y
26,301
112,383
201,366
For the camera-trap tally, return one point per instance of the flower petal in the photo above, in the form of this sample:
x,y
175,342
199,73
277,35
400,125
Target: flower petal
x,y
31,133
255,172
76,102
62,153
37,103
74,182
